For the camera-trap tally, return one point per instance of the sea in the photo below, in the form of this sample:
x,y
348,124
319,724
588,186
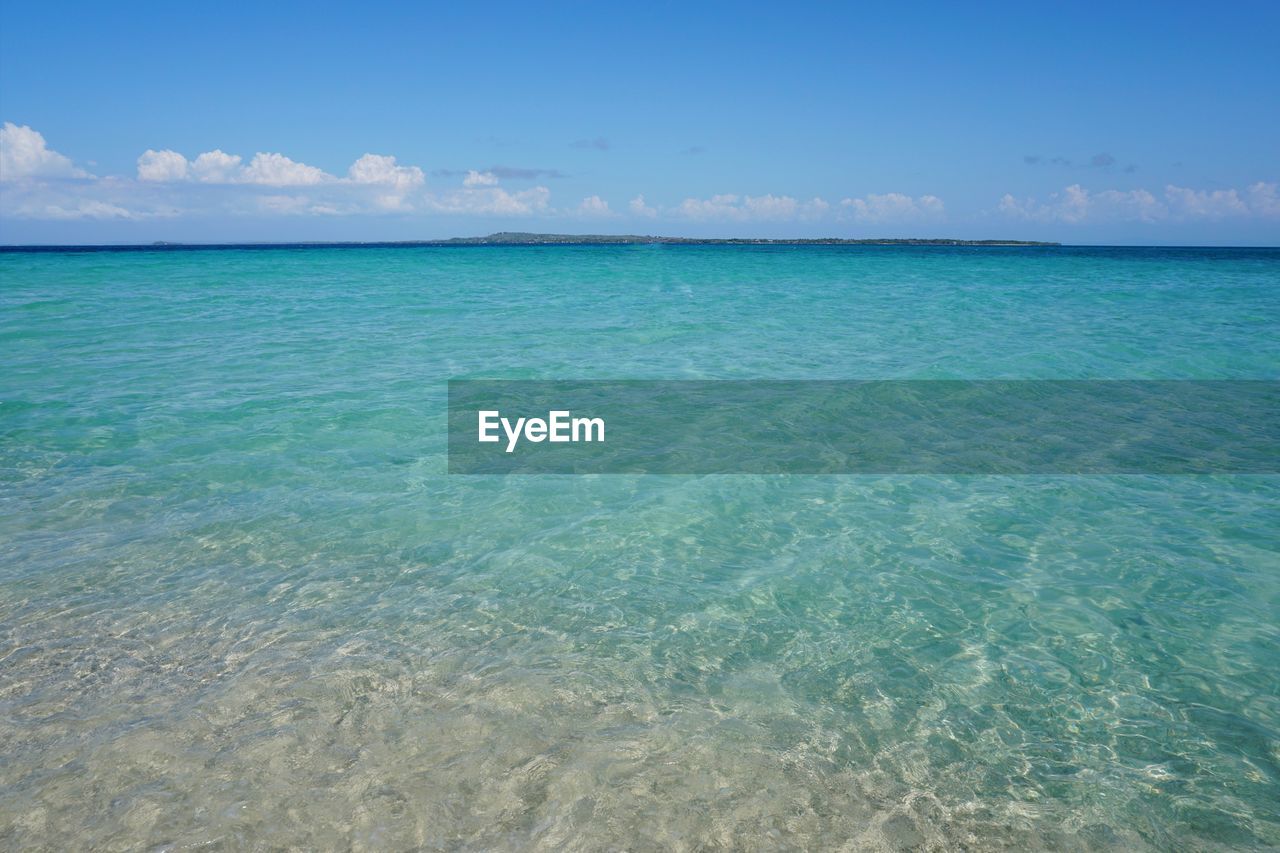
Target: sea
x,y
244,605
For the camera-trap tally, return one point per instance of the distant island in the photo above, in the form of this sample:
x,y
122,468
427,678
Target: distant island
x,y
523,238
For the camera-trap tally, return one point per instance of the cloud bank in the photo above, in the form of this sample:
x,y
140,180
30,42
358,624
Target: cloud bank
x,y
729,207
42,183
1075,204
893,207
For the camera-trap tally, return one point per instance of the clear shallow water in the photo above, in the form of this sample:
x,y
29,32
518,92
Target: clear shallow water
x,y
242,604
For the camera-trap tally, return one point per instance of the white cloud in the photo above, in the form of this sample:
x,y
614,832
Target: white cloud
x,y
1126,204
382,169
1264,200
374,183
593,205
277,170
1076,204
490,200
639,208
770,207
1204,204
480,179
162,166
731,207
86,209
1071,205
720,206
1012,207
216,167
397,182
892,207
297,205
24,154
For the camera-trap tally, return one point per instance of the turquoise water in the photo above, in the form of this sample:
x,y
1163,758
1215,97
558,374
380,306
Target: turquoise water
x,y
241,603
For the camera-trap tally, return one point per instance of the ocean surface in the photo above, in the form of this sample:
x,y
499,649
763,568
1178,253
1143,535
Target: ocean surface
x,y
242,605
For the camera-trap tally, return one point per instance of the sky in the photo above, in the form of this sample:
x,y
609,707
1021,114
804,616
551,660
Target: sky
x,y
1098,123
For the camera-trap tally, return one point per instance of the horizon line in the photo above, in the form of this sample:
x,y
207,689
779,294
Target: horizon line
x,y
524,238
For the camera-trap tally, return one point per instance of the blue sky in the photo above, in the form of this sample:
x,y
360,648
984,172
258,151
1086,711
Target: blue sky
x,y
1095,123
